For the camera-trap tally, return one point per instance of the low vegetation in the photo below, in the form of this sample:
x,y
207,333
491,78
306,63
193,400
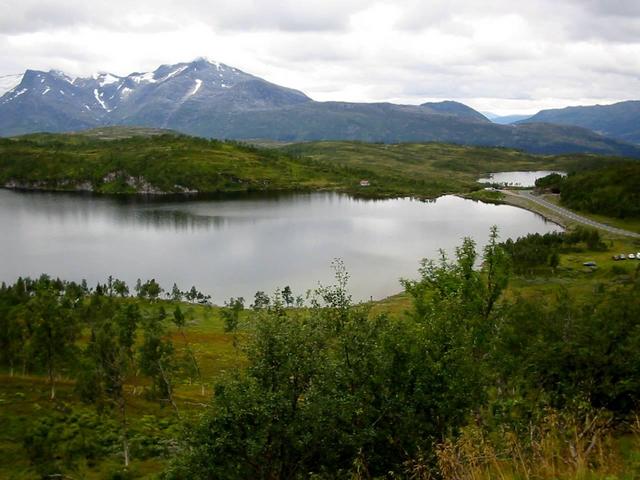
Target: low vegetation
x,y
536,253
118,160
164,163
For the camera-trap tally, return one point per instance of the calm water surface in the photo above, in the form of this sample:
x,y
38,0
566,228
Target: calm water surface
x,y
518,179
236,246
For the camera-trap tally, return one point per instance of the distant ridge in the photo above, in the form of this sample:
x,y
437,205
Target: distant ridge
x,y
211,99
619,120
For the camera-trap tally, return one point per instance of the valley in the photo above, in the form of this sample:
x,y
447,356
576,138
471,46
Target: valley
x,y
319,240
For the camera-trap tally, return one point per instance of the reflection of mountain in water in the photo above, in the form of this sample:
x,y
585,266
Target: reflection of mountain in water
x,y
180,220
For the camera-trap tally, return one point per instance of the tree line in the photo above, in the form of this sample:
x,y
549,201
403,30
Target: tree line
x,y
98,337
540,253
613,190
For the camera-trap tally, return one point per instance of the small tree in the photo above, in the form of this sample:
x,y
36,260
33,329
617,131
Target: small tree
x,y
261,300
120,288
180,322
231,314
110,357
55,329
287,296
156,357
176,294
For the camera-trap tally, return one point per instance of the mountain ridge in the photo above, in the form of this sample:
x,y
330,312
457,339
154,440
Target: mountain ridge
x,y
212,99
619,120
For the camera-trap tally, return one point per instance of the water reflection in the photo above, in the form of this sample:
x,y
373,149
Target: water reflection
x,y
234,246
518,179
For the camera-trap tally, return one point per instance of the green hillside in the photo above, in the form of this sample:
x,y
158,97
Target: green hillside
x,y
109,161
120,160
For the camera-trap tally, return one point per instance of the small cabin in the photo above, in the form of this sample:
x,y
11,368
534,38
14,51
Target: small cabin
x,y
364,183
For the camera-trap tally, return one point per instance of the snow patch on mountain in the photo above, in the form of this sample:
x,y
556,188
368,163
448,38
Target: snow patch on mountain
x,y
196,87
143,77
63,76
175,72
107,79
100,101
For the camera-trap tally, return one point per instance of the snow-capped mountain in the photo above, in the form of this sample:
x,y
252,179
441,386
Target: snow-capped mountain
x,y
210,99
53,101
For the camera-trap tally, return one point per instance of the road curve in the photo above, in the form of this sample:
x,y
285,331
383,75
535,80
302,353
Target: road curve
x,y
568,214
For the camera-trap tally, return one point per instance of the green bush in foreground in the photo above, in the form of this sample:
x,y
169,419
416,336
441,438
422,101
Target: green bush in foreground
x,y
331,392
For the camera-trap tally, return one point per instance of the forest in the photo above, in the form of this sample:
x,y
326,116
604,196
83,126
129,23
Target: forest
x,y
471,380
613,191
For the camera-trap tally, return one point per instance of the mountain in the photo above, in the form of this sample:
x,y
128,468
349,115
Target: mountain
x,y
619,120
457,109
52,101
211,99
505,119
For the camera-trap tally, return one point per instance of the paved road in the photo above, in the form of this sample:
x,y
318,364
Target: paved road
x,y
568,213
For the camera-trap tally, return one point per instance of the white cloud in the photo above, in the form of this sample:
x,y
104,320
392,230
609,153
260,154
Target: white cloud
x,y
496,55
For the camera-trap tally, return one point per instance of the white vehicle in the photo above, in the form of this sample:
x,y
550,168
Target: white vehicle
x,y
631,256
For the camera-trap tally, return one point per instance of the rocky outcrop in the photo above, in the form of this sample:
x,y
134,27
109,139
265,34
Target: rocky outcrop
x,y
136,185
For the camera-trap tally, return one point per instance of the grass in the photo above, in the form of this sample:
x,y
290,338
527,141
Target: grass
x,y
631,224
429,169
558,447
161,163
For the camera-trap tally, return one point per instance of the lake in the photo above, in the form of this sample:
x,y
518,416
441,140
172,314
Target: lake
x,y
518,179
235,246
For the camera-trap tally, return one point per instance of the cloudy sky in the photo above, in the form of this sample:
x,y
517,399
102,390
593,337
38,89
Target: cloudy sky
x,y
502,56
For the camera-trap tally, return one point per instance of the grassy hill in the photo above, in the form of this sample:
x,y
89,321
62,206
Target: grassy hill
x,y
135,160
431,169
121,160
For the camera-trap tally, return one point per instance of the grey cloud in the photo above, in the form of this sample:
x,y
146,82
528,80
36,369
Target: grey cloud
x,y
552,49
165,15
611,7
